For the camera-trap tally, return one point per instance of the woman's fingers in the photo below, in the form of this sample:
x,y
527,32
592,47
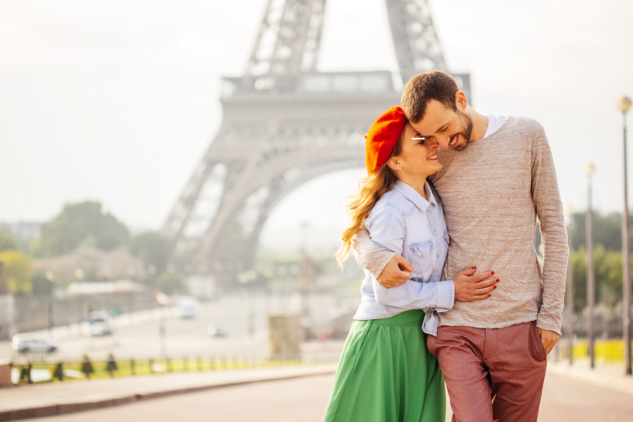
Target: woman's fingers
x,y
483,276
469,271
484,290
481,297
486,283
404,264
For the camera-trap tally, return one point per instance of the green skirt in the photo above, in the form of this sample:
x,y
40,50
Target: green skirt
x,y
387,374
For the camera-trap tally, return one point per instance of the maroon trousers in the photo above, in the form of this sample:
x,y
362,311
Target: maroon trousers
x,y
492,374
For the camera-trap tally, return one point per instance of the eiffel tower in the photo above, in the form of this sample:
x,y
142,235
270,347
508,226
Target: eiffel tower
x,y
286,123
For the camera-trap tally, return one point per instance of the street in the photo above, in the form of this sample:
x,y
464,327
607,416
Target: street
x,y
244,319
304,399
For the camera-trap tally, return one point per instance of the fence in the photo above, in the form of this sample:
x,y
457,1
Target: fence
x,y
24,372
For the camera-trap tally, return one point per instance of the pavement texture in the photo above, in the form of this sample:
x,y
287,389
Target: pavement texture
x,y
304,399
61,398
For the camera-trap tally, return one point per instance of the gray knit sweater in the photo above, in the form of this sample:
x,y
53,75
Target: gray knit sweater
x,y
492,193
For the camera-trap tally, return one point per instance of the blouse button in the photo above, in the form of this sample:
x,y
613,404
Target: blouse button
x,y
429,207
432,277
438,256
434,232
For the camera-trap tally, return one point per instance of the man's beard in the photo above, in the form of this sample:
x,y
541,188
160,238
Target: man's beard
x,y
467,130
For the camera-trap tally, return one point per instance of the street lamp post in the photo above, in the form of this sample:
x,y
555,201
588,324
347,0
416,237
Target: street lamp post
x,y
589,171
570,291
624,105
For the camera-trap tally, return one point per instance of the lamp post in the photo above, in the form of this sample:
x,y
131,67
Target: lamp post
x,y
570,290
624,104
50,277
589,171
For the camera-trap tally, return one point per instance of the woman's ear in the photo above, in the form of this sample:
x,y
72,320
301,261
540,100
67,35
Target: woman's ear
x,y
394,163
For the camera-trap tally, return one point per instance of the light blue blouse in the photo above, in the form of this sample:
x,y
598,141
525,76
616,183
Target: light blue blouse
x,y
404,222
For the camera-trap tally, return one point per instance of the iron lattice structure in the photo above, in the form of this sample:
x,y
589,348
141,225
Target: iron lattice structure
x,y
286,123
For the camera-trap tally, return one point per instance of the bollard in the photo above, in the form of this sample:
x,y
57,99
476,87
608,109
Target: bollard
x,y
132,368
199,363
59,371
169,368
185,363
151,366
111,367
28,373
86,367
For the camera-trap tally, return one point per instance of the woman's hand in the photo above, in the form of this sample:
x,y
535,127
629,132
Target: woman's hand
x,y
397,271
469,287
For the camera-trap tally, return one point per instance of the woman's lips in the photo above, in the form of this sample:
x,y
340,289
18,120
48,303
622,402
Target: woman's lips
x,y
432,157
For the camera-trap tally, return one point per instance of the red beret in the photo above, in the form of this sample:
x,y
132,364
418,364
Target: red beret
x,y
383,137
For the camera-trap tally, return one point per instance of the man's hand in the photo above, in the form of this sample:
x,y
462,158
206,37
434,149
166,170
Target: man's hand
x,y
469,287
396,272
549,339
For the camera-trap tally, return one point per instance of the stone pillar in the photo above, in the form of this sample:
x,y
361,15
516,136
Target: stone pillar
x,y
7,316
5,373
286,334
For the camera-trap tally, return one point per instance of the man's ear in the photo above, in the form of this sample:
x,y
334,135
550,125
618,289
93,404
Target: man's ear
x,y
394,163
461,100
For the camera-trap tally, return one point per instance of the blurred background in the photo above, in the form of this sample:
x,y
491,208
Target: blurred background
x,y
174,174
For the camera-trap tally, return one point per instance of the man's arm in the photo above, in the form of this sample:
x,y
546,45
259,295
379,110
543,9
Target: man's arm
x,y
381,263
549,209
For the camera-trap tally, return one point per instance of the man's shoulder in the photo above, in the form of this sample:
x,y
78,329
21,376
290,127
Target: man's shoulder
x,y
526,125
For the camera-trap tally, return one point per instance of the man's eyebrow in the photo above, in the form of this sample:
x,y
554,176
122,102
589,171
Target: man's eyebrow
x,y
440,128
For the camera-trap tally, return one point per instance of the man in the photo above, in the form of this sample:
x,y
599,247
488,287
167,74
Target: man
x,y
498,176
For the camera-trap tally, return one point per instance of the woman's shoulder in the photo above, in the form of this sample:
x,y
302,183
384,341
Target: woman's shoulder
x,y
392,204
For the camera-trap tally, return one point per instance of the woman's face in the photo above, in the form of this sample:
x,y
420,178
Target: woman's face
x,y
417,157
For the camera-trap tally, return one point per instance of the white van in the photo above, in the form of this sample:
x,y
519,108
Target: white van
x,y
99,324
188,307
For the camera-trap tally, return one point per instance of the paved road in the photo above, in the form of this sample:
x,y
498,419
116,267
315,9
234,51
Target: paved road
x,y
188,337
305,399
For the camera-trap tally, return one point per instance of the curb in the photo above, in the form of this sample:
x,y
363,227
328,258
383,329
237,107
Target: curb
x,y
62,409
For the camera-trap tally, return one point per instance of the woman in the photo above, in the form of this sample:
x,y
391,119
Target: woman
x,y
386,373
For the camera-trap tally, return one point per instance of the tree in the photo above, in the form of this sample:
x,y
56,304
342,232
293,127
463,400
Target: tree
x,y
170,282
608,276
153,249
81,224
7,242
607,230
16,273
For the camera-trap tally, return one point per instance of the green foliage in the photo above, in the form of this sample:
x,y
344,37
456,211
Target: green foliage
x,y
608,276
153,249
16,272
41,285
81,224
170,282
7,242
607,230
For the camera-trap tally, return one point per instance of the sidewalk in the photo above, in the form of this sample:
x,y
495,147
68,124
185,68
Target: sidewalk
x,y
604,375
38,400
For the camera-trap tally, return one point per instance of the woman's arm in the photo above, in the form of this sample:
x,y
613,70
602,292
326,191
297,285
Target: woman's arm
x,y
387,228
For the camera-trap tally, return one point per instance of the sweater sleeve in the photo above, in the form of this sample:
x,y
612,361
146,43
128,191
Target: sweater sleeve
x,y
370,256
549,210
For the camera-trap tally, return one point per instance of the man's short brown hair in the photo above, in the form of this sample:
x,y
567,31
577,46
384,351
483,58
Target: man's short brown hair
x,y
434,85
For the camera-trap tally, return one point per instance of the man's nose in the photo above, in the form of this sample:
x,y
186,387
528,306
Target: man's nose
x,y
443,142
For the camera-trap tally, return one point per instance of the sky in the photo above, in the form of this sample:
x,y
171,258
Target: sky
x,y
117,100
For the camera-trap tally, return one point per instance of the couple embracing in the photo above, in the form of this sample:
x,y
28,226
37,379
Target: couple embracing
x,y
444,227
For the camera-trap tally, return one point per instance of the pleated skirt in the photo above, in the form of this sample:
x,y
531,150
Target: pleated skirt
x,y
387,374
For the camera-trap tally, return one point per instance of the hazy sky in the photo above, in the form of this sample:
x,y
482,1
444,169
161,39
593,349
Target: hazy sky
x,y
117,100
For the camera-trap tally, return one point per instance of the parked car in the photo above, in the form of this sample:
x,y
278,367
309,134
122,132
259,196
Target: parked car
x,y
99,324
33,345
216,331
188,307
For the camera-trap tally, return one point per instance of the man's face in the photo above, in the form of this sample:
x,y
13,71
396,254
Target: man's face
x,y
448,127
